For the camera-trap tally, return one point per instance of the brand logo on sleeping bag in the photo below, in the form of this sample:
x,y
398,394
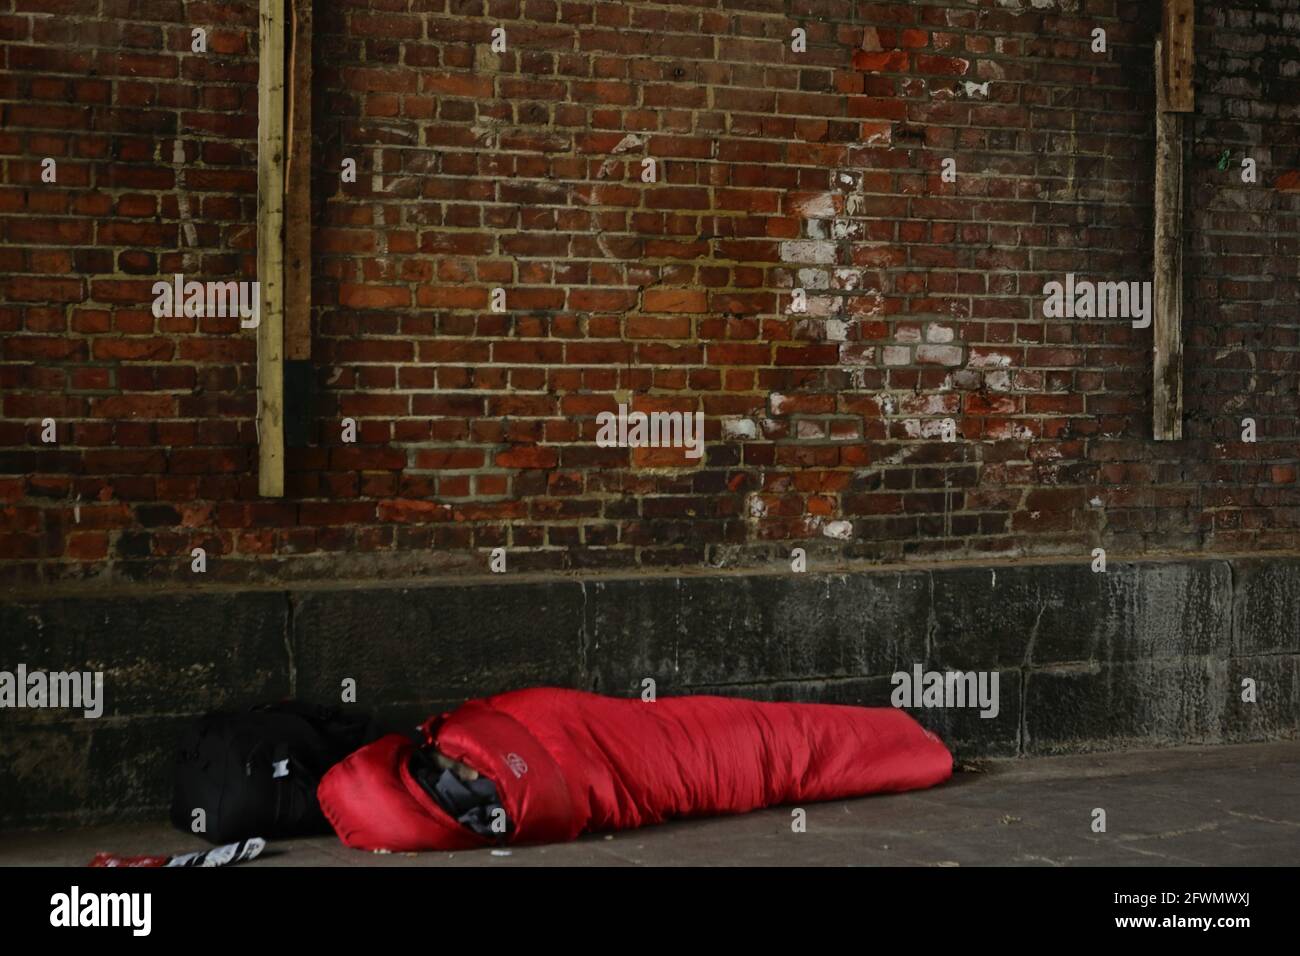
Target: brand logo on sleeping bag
x,y
516,764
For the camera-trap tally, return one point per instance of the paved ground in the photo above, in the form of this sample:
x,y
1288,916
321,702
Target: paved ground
x,y
1236,805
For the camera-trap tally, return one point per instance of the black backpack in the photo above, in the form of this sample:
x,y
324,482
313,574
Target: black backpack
x,y
255,774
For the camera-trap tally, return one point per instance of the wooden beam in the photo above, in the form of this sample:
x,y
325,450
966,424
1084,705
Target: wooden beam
x,y
1179,62
298,373
1167,400
297,202
270,248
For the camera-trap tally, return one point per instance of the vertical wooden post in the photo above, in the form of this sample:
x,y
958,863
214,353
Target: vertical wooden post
x,y
1167,395
1177,30
298,373
297,226
1174,96
270,248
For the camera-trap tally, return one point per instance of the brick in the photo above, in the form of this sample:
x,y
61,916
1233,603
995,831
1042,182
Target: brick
x,y
526,456
413,512
674,301
374,297
883,61
521,171
938,355
131,349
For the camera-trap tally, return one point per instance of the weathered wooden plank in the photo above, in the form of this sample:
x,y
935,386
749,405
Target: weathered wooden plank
x,y
270,248
1167,331
1179,62
297,203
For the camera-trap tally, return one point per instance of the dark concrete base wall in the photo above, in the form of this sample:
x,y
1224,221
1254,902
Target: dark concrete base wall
x,y
1145,654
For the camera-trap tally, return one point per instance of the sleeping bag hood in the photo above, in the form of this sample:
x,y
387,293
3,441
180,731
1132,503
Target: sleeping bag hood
x,y
565,762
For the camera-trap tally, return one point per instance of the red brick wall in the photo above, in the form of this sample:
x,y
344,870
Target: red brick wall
x,y
522,170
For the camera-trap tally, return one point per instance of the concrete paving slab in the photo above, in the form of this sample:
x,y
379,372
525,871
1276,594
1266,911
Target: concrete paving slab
x,y
1201,806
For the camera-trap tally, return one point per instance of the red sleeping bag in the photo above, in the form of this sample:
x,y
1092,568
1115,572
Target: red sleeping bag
x,y
566,762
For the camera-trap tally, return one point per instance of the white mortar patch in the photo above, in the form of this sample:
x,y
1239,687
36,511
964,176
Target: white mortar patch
x,y
808,250
820,206
814,279
739,428
841,530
